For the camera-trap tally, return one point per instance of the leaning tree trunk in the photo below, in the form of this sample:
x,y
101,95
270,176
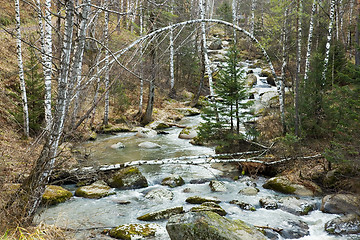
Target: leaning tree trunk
x,y
330,30
107,67
23,204
21,69
311,30
147,118
202,8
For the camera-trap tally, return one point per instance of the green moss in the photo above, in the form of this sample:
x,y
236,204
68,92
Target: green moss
x,y
95,190
199,200
307,209
278,185
127,231
55,194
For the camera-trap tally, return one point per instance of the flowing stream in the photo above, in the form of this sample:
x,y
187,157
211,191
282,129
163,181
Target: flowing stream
x,y
86,216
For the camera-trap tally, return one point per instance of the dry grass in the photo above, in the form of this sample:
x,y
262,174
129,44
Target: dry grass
x,y
40,232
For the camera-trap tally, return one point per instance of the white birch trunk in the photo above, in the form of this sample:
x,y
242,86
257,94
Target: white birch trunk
x,y
349,28
172,75
330,30
252,24
21,69
234,17
107,69
203,33
311,30
141,97
283,68
47,64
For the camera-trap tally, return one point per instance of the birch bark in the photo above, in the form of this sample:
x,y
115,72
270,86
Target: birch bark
x,y
297,76
329,36
21,69
172,75
311,30
107,69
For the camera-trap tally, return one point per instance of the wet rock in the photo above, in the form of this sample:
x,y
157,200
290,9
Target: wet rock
x,y
173,181
249,191
93,136
296,206
268,203
207,225
243,205
199,200
158,125
284,185
348,224
294,229
122,202
271,81
115,129
188,111
250,80
188,190
146,133
209,206
160,194
128,178
129,231
216,44
199,181
265,73
98,189
118,145
149,145
217,186
55,194
341,203
188,133
162,214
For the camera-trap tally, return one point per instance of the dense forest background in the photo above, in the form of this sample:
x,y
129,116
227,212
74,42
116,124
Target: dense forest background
x,y
71,67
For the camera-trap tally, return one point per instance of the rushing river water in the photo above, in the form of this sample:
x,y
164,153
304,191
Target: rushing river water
x,y
86,216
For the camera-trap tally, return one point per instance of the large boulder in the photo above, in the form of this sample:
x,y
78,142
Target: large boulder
x,y
158,125
145,133
250,80
55,194
132,231
188,133
199,200
209,206
296,206
160,194
341,203
348,224
217,186
216,44
128,178
285,185
109,129
207,225
162,214
98,189
294,229
173,181
268,203
149,145
249,191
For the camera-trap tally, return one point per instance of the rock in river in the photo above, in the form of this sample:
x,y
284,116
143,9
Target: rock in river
x,y
55,194
199,200
162,214
285,185
243,205
149,145
118,145
146,133
217,186
341,203
129,231
296,206
157,125
128,178
249,191
209,225
188,133
160,194
98,189
173,181
348,224
209,206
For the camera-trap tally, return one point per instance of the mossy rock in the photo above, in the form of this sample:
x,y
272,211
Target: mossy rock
x,y
109,129
158,125
243,205
128,178
348,224
284,185
209,206
96,190
93,136
188,133
188,111
128,231
55,194
173,181
162,214
200,200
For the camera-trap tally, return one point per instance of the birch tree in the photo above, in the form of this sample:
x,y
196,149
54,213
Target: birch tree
x,y
297,74
21,69
252,24
106,78
234,18
329,36
309,42
172,75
